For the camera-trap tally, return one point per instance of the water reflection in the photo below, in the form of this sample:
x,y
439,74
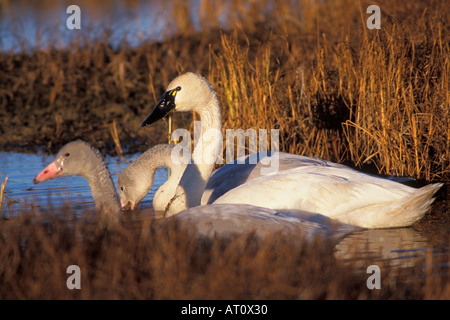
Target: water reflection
x,y
401,246
393,250
25,25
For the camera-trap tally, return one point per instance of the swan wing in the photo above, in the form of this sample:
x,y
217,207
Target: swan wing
x,y
343,194
255,166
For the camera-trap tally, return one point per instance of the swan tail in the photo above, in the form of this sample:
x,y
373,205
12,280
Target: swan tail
x,y
418,203
395,214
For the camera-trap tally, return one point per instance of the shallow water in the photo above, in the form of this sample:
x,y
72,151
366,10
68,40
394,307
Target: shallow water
x,y
21,168
30,25
392,249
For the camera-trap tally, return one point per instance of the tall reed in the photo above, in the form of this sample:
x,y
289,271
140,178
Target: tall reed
x,y
381,100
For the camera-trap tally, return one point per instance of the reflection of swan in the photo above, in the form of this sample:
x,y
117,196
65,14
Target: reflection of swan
x,y
400,247
80,158
332,190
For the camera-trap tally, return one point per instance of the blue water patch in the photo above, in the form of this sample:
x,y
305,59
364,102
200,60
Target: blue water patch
x,y
21,168
26,26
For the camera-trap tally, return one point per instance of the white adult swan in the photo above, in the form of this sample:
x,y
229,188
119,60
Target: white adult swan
x,y
192,92
80,158
335,191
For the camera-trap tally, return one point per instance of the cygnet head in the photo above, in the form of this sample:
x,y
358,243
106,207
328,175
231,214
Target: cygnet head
x,y
187,92
72,159
133,187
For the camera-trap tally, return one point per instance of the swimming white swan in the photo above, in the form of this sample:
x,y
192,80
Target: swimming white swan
x,y
333,190
80,158
192,92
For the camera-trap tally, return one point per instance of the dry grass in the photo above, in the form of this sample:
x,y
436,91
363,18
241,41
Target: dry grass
x,y
382,98
140,259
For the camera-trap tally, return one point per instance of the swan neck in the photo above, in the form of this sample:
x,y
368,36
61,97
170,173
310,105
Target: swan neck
x,y
103,190
193,182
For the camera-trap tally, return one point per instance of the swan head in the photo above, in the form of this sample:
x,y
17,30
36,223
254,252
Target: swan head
x,y
132,188
72,159
187,92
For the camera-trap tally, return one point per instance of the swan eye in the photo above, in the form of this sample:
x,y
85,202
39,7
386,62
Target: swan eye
x,y
175,91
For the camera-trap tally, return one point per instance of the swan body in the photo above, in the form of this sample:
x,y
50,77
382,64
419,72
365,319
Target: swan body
x,y
80,158
345,195
136,179
330,189
233,219
253,166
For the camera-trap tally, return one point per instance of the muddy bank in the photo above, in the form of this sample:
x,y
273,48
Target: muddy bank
x,y
50,97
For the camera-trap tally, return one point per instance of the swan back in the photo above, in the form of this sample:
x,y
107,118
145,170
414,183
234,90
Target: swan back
x,y
254,166
228,220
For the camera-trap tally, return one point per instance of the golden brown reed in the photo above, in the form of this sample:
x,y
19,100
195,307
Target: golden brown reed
x,y
381,97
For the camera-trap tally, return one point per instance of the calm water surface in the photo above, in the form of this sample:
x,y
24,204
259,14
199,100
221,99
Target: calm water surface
x,y
21,168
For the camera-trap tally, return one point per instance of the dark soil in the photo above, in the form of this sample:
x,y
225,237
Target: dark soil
x,y
51,97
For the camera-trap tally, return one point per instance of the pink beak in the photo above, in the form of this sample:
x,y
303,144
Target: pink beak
x,y
51,171
126,205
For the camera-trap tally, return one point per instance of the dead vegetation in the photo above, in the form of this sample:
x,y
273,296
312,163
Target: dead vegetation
x,y
141,259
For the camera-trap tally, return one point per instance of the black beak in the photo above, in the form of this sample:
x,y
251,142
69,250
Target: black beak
x,y
163,108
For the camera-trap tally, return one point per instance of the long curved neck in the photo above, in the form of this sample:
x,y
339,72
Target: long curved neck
x,y
163,158
209,144
103,190
208,147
